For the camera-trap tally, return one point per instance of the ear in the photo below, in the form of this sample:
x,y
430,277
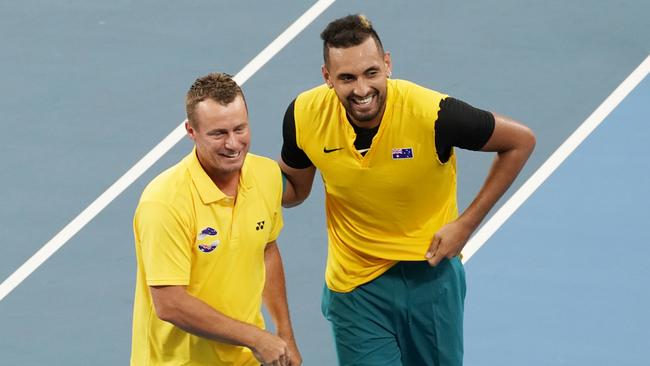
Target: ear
x,y
388,63
326,76
190,130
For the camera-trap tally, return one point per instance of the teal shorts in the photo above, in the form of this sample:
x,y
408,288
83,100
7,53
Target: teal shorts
x,y
410,315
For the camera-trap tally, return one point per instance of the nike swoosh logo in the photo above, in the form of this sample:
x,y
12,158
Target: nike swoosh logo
x,y
327,151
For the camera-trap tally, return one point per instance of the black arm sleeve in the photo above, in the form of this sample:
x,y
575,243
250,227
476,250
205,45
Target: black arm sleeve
x,y
291,154
461,125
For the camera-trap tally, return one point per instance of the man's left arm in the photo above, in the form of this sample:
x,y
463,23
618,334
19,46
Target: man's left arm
x,y
275,299
513,143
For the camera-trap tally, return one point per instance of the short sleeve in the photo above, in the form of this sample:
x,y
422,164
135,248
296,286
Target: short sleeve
x,y
165,244
291,154
276,208
461,125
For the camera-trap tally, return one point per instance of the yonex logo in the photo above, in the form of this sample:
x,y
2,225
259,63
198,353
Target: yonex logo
x,y
260,225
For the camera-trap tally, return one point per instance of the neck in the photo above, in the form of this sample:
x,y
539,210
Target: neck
x,y
227,183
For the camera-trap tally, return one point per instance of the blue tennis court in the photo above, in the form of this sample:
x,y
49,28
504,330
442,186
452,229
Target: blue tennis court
x,y
87,89
564,282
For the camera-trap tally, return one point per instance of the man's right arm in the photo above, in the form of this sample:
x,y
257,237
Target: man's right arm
x,y
296,167
163,237
174,305
298,184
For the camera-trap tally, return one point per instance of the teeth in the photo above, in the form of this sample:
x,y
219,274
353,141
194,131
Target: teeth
x,y
233,155
365,100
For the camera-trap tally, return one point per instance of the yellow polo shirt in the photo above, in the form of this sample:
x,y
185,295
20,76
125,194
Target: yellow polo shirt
x,y
187,232
387,205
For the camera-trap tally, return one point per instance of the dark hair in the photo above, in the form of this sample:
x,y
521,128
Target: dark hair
x,y
349,31
219,87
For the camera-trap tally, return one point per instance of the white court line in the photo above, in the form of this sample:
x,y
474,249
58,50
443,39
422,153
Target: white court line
x,y
148,160
554,161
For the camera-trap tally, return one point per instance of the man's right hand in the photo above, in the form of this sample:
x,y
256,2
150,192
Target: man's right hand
x,y
271,350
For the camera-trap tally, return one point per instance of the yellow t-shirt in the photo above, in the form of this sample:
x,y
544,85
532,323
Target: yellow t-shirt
x,y
387,205
187,232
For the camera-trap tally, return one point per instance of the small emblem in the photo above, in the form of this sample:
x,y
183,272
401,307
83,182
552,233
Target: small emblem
x,y
260,225
403,153
207,247
327,151
208,231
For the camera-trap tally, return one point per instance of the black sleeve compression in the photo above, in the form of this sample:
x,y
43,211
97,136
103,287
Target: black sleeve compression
x,y
461,125
291,154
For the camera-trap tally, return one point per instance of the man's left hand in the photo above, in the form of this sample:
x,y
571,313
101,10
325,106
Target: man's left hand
x,y
448,242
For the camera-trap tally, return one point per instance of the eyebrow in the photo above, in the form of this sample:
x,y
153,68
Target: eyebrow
x,y
224,130
347,74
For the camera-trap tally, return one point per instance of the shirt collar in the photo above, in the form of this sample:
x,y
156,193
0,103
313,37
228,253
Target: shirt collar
x,y
209,191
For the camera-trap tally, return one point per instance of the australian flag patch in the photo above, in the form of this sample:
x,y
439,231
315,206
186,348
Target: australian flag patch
x,y
403,153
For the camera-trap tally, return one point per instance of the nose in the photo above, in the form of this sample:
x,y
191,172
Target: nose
x,y
361,87
231,141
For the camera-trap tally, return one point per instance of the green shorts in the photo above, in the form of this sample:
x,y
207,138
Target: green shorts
x,y
410,315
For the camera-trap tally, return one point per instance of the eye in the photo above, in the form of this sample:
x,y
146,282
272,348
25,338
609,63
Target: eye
x,y
346,78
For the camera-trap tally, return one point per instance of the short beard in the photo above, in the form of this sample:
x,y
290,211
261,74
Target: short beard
x,y
363,118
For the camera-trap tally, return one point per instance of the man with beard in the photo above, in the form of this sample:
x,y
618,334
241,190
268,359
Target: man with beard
x,y
395,284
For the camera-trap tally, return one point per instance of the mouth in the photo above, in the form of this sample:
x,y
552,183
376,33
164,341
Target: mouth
x,y
231,155
362,102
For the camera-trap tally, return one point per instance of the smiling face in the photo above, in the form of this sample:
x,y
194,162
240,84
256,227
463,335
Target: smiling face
x,y
222,137
358,75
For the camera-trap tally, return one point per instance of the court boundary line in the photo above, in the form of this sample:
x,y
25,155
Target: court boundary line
x,y
556,159
136,171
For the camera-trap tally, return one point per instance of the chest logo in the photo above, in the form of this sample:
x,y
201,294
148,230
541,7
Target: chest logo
x,y
403,153
206,246
327,151
260,225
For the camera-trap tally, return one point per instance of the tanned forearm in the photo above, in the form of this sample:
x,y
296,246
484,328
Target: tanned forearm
x,y
513,144
289,196
174,305
298,184
275,293
275,300
505,168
